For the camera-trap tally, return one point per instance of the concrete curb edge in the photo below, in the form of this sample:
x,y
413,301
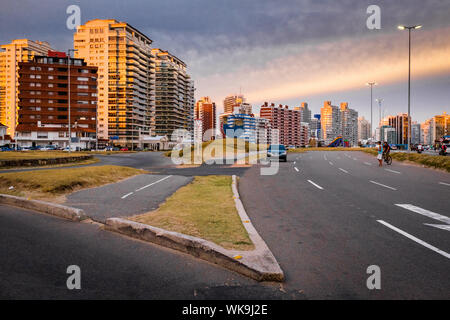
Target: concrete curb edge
x,y
258,264
59,210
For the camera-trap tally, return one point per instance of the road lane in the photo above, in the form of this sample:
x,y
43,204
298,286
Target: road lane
x,y
325,240
36,249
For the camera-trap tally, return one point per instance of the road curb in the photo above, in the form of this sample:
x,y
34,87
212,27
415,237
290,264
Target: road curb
x,y
69,213
258,264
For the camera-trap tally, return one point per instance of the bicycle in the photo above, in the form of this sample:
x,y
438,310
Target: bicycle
x,y
387,159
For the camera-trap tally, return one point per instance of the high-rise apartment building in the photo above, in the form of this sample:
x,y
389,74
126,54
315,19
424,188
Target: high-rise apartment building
x,y
363,129
174,95
330,117
315,127
286,121
44,102
305,112
126,78
400,123
415,133
20,50
349,119
205,111
432,130
231,101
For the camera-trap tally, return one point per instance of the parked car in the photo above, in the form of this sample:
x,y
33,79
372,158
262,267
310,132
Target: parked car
x,y
5,149
277,151
49,148
124,149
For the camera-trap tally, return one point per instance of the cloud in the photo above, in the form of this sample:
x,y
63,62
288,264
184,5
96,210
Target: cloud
x,y
305,70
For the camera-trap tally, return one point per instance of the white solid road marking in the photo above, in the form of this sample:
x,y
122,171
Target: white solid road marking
x,y
393,171
296,169
383,185
369,164
426,213
343,170
315,184
445,184
295,162
149,185
423,243
331,163
128,194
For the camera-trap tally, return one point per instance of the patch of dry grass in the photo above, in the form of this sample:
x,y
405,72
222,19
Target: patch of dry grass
x,y
19,155
40,184
205,208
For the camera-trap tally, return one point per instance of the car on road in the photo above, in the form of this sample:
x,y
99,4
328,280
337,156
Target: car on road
x,y
277,151
6,149
124,149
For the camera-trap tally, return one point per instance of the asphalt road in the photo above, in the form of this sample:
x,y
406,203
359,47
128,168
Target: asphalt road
x,y
321,223
36,249
326,216
136,195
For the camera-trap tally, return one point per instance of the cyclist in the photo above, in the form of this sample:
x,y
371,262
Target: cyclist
x,y
386,150
380,154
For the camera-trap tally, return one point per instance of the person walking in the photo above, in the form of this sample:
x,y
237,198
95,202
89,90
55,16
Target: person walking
x,y
380,154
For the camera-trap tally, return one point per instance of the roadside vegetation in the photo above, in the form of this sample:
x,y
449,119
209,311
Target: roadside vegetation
x,y
229,147
204,208
19,155
61,165
300,150
47,184
432,161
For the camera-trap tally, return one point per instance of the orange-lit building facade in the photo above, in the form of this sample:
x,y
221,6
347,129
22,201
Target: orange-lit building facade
x,y
205,110
43,116
286,121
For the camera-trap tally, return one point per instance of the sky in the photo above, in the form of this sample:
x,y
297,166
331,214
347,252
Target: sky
x,y
280,51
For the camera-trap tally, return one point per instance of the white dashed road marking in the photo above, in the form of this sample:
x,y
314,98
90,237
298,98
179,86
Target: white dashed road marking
x,y
423,243
128,194
424,212
343,170
153,183
393,171
383,185
445,184
296,169
315,184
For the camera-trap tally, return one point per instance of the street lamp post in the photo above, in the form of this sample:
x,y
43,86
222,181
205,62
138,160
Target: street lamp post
x,y
380,101
68,78
409,28
371,84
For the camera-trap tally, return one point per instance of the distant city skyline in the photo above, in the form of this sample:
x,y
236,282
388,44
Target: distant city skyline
x,y
286,53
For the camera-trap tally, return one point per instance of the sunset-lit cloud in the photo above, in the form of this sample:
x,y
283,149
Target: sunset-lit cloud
x,y
280,51
344,64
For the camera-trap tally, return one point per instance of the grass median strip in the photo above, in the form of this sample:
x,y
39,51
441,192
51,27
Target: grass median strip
x,y
204,208
433,161
47,184
25,155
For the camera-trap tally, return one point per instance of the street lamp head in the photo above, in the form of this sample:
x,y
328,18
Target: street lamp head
x,y
371,84
409,27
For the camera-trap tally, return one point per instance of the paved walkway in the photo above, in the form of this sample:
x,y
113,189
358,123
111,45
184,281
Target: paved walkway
x,y
136,195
